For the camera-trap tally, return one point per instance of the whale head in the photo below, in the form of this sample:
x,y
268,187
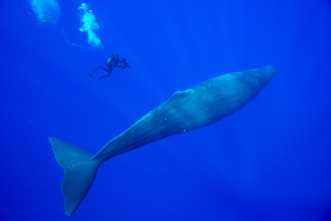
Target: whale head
x,y
261,76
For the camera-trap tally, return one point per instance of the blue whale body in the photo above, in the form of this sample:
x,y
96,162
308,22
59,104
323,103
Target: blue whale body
x,y
186,110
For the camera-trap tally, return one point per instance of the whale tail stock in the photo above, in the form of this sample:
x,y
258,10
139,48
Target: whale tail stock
x,y
79,172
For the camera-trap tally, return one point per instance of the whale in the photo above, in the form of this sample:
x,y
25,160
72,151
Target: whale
x,y
186,110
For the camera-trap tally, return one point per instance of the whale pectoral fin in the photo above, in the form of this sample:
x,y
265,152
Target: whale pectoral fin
x,y
79,172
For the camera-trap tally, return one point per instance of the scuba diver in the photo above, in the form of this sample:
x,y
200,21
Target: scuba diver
x,y
112,62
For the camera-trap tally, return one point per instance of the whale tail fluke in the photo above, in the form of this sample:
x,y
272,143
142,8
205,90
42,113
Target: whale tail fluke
x,y
79,172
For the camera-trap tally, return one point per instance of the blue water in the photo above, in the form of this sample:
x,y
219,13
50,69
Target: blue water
x,y
268,161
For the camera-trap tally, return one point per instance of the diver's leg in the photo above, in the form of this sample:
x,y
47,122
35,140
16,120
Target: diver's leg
x,y
105,69
104,76
95,70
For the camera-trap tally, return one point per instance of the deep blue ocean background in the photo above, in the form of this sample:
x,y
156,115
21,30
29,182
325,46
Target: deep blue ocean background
x,y
269,161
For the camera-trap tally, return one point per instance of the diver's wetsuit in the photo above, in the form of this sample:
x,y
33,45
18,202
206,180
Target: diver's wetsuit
x,y
112,62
